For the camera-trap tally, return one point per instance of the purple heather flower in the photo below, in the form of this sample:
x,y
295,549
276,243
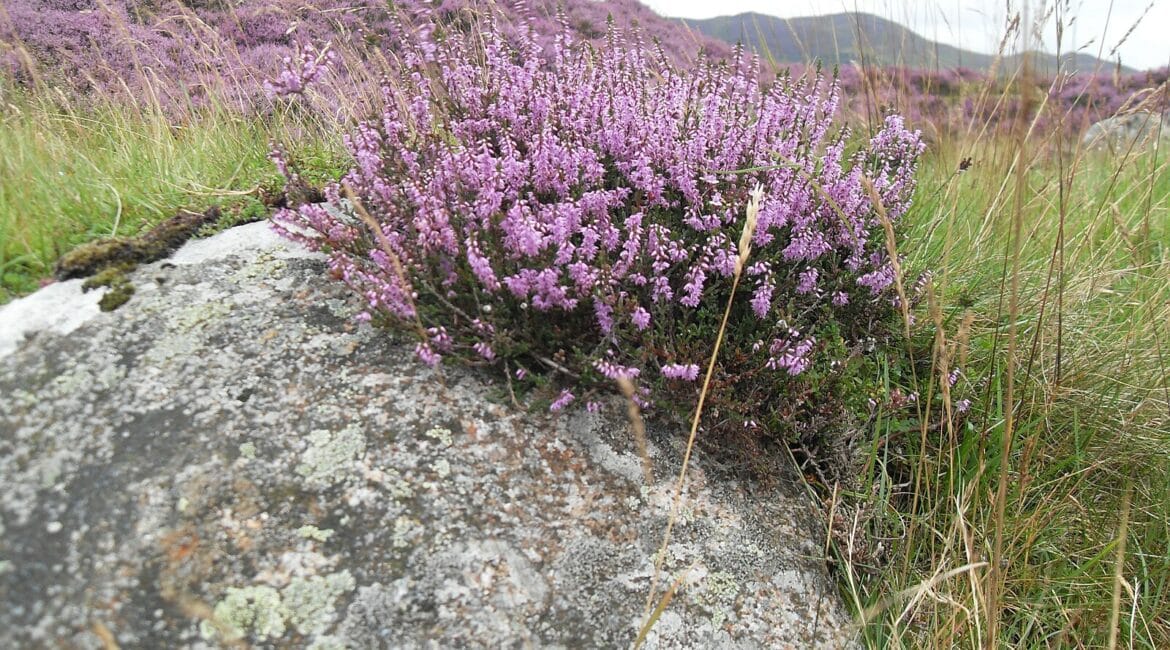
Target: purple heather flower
x,y
562,400
440,339
615,371
641,318
953,377
484,350
808,281
685,372
762,297
296,75
791,357
427,355
604,315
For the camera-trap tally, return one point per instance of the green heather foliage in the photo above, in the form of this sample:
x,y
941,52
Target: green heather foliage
x,y
584,206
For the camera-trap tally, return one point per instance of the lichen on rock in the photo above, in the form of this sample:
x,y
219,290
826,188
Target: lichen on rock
x,y
256,611
330,457
311,601
229,457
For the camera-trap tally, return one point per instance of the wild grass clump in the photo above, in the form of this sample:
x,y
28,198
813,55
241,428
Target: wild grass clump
x,y
1040,516
580,212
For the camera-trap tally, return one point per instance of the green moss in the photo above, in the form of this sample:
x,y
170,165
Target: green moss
x,y
106,277
108,261
116,296
120,287
128,252
246,210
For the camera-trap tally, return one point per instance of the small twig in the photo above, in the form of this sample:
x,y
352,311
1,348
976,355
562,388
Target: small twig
x,y
635,415
556,366
511,393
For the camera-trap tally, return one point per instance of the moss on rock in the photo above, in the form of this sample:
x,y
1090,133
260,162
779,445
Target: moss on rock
x,y
120,287
159,242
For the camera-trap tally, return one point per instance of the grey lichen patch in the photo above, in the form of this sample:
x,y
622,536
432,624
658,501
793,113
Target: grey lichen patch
x,y
83,380
328,643
184,337
440,435
314,533
262,612
310,601
404,527
198,315
266,265
248,450
5,566
330,457
391,481
255,610
717,594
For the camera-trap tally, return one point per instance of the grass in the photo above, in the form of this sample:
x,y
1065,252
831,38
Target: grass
x,y
107,169
1047,509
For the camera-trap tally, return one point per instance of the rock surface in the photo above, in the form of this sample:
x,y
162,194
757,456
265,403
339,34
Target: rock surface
x,y
1121,132
230,458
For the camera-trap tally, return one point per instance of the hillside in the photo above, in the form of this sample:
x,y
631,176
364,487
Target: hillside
x,y
845,37
228,48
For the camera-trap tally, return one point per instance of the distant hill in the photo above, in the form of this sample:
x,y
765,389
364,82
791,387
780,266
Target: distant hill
x,y
845,37
588,18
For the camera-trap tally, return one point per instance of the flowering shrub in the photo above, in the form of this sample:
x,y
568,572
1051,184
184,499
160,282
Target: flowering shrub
x,y
579,213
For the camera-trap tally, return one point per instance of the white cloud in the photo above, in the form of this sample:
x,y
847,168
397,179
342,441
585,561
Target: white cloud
x,y
1091,26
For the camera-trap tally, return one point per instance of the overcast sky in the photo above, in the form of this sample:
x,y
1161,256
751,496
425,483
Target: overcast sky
x,y
979,26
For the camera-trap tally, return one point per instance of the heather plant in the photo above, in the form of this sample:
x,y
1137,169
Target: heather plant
x,y
579,212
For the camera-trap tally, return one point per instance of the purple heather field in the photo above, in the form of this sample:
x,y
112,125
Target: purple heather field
x,y
184,53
